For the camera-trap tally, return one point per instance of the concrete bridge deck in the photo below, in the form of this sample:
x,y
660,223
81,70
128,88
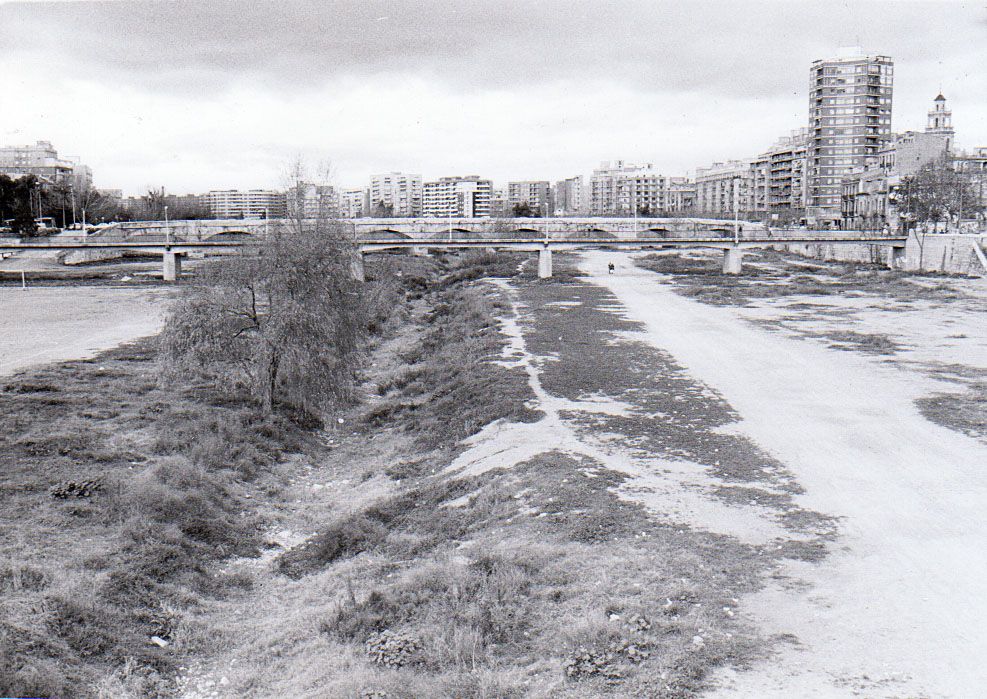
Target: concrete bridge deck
x,y
173,247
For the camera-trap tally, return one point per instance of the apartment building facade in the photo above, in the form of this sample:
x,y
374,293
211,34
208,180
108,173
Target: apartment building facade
x,y
398,193
535,194
787,168
973,165
620,189
312,201
42,161
249,203
725,189
354,203
460,197
850,100
571,197
867,191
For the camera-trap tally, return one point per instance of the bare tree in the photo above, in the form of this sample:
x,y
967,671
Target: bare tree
x,y
288,322
936,194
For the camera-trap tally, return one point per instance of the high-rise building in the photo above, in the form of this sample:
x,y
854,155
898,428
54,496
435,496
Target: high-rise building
x,y
536,195
681,196
619,188
461,197
849,120
725,189
498,202
396,193
941,121
253,203
787,176
354,203
571,197
313,201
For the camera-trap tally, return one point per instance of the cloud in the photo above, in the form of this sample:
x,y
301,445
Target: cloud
x,y
723,47
196,95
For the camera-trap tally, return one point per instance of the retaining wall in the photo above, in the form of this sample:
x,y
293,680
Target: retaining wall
x,y
935,253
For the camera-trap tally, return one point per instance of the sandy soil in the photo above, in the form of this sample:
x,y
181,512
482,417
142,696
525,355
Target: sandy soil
x,y
897,610
676,489
41,325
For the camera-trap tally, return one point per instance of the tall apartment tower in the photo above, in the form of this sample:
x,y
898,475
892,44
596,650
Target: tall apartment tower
x,y
941,121
536,194
849,121
465,197
397,193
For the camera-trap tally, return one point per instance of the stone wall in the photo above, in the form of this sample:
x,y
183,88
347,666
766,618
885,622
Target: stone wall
x,y
934,253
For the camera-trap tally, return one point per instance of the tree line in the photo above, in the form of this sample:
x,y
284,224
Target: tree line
x,y
25,200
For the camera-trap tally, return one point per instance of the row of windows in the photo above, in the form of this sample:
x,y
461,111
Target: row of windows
x,y
865,101
833,111
856,69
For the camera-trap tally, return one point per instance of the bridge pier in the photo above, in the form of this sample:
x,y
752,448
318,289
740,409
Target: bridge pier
x,y
172,266
544,263
896,257
419,251
357,270
733,260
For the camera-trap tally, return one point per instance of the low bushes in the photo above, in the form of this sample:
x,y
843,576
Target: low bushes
x,y
347,537
470,611
133,497
451,387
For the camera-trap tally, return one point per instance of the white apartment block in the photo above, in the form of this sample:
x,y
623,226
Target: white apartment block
x,y
252,203
312,201
618,189
572,197
397,192
354,203
724,188
498,202
536,194
460,197
787,172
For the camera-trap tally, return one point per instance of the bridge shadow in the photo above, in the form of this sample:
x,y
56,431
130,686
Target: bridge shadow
x,y
227,236
385,234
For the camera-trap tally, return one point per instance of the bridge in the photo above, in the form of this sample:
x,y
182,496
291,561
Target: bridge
x,y
173,240
443,227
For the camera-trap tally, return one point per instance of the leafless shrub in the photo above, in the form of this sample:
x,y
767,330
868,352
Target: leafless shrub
x,y
286,324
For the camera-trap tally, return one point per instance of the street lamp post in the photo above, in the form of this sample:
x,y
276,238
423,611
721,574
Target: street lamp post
x,y
167,227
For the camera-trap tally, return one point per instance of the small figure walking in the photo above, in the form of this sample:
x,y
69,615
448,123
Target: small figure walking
x,y
610,268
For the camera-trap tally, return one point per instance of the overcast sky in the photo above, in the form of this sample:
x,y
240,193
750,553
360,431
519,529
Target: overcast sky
x,y
203,95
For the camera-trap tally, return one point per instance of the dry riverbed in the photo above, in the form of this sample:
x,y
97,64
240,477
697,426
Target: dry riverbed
x,y
43,324
868,386
629,485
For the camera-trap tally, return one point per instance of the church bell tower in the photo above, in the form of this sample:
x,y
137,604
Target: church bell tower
x,y
941,121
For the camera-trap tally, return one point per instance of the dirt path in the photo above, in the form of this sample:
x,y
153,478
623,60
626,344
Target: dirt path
x,y
53,324
897,610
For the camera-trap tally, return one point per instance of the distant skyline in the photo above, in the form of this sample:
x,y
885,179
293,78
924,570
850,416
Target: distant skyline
x,y
211,95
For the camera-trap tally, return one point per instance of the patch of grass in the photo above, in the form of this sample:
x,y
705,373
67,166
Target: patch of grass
x,y
770,274
347,537
451,385
119,498
964,412
869,343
